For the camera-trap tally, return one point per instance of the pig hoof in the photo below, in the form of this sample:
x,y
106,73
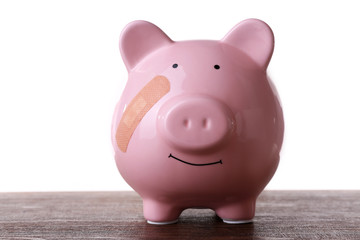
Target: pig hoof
x,y
237,221
162,223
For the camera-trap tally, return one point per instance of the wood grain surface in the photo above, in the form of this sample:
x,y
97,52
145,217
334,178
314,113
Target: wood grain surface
x,y
118,215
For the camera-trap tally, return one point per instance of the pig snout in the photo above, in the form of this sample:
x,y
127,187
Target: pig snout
x,y
195,122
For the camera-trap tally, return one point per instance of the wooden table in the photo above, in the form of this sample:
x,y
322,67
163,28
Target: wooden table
x,y
118,215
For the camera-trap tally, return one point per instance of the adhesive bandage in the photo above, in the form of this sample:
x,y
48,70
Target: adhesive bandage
x,y
150,94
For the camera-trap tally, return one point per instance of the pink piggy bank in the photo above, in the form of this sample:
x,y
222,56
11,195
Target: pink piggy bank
x,y
199,124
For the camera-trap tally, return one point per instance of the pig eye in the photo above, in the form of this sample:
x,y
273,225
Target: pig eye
x,y
175,65
216,67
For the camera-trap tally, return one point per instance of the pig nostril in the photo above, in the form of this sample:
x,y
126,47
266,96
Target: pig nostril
x,y
206,123
186,123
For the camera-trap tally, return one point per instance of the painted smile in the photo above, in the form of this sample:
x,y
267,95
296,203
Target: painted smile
x,y
194,164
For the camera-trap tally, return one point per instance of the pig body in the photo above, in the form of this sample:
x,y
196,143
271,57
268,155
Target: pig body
x,y
199,123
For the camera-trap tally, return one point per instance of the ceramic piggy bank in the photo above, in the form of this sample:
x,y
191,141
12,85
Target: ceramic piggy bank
x,y
199,124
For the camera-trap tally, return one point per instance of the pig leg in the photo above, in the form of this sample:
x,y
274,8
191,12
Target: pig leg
x,y
237,213
160,213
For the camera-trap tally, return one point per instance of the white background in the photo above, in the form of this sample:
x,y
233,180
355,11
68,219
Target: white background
x,y
61,75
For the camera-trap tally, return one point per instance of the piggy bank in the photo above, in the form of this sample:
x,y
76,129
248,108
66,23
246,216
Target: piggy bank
x,y
199,123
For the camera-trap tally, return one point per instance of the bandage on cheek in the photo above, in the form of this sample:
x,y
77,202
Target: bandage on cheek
x,y
151,93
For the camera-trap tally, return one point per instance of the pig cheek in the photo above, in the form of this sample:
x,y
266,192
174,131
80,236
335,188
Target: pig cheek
x,y
145,150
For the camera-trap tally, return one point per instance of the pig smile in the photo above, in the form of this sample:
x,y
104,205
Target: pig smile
x,y
194,164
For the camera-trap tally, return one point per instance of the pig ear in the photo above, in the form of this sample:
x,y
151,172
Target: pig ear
x,y
254,38
138,39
